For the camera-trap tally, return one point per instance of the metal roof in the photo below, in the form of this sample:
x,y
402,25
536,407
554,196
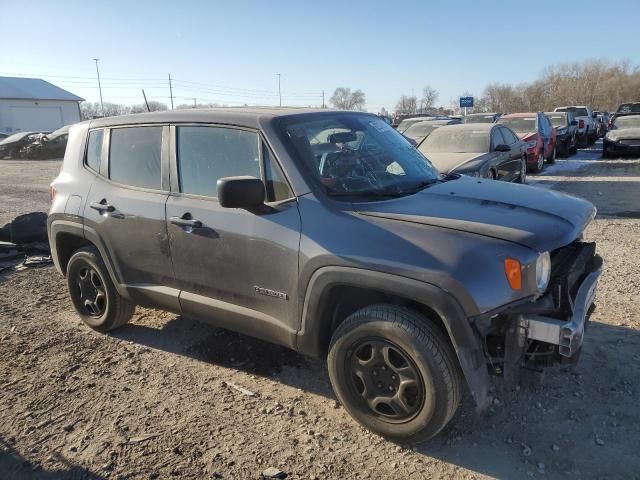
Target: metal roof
x,y
243,116
33,89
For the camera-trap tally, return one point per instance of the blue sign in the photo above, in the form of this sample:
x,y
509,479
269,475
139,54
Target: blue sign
x,y
466,102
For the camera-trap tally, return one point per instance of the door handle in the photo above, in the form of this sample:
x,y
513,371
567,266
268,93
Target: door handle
x,y
102,206
186,222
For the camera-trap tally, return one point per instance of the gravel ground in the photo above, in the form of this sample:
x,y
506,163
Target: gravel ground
x,y
170,397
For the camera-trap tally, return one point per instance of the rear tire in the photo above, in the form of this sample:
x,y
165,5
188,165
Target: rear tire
x,y
395,372
93,294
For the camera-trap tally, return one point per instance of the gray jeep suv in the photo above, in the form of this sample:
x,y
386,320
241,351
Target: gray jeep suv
x,y
327,232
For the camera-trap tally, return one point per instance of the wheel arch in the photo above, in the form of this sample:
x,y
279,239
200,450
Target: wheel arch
x,y
333,293
66,237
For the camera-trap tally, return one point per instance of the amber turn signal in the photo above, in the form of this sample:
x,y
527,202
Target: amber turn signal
x,y
513,271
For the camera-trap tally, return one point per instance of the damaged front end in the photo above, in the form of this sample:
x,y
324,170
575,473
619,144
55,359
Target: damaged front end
x,y
550,330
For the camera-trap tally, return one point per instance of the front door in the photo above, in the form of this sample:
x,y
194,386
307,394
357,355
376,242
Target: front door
x,y
513,167
234,267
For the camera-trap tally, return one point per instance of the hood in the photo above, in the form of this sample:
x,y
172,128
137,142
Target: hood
x,y
626,133
540,219
447,162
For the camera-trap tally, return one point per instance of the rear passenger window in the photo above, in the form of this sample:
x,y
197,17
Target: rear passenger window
x,y
134,156
206,154
94,149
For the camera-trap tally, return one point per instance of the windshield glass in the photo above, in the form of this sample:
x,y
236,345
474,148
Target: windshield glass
x,y
479,119
629,108
558,120
364,157
578,112
456,140
520,125
420,130
632,121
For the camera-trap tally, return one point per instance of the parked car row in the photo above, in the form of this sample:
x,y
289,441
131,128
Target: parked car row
x,y
35,145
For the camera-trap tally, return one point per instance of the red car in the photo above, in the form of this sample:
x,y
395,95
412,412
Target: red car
x,y
536,129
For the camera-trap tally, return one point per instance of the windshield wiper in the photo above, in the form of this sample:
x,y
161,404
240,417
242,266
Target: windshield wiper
x,y
372,193
421,186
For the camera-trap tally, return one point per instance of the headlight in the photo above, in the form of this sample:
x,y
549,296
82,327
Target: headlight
x,y
611,137
532,144
562,131
543,271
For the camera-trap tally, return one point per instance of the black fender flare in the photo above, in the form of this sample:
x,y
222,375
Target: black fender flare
x,y
312,336
57,226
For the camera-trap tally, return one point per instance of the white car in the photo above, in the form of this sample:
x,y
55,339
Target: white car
x,y
587,124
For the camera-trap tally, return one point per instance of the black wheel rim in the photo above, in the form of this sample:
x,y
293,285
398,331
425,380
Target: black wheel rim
x,y
91,293
383,378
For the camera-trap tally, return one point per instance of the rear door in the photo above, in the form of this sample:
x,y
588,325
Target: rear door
x,y
125,212
235,267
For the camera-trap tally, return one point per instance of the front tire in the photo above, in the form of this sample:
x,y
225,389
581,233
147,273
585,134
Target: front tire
x,y
522,177
539,163
93,294
395,372
552,157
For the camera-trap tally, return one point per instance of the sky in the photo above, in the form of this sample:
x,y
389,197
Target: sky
x,y
230,52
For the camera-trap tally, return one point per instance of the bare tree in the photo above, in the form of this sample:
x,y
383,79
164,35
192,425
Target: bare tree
x,y
429,97
89,110
345,99
154,106
600,84
407,104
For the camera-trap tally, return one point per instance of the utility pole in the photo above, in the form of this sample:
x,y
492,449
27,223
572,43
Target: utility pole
x,y
171,91
99,86
194,102
323,99
279,91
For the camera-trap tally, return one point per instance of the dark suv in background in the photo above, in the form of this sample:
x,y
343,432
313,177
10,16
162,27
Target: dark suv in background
x,y
326,232
566,132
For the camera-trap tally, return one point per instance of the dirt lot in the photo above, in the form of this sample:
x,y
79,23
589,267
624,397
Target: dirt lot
x,y
167,396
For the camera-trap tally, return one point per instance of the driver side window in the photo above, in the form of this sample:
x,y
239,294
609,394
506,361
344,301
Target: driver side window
x,y
496,138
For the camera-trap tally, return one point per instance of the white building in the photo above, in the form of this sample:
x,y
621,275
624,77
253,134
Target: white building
x,y
32,104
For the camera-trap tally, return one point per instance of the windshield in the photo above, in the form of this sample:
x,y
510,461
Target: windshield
x,y
558,120
632,121
420,130
520,124
456,140
629,108
479,119
364,158
578,112
405,124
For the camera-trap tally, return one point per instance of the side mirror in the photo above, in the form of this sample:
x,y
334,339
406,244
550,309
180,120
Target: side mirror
x,y
502,148
241,192
574,123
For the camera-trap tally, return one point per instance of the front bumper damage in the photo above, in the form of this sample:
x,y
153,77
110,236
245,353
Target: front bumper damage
x,y
550,330
567,335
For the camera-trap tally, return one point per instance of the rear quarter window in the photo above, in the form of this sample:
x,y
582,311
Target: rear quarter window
x,y
94,149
